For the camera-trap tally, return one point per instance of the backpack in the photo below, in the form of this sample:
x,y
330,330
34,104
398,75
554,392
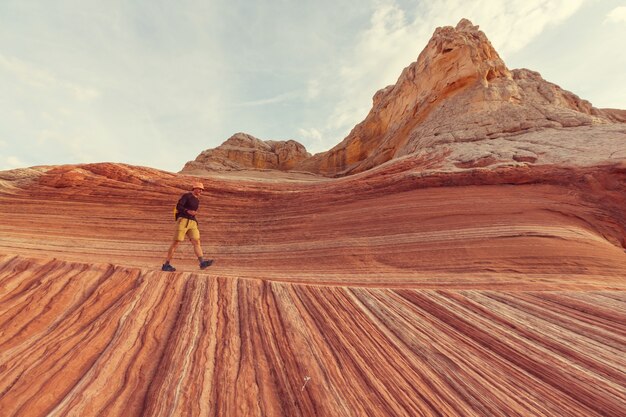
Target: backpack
x,y
176,212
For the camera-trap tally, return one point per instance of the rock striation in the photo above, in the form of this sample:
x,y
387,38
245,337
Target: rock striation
x,y
242,151
390,292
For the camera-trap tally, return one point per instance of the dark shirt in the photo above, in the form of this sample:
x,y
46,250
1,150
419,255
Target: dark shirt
x,y
187,202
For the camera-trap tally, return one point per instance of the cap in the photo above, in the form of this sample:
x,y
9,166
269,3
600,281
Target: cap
x,y
198,185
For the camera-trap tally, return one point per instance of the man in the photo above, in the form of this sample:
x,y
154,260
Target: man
x,y
186,224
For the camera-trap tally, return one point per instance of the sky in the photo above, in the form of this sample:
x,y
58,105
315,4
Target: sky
x,y
155,82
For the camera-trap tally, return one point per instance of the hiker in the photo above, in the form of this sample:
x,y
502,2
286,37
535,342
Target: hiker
x,y
186,224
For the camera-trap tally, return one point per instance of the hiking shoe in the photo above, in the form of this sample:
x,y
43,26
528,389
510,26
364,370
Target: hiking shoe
x,y
206,264
168,268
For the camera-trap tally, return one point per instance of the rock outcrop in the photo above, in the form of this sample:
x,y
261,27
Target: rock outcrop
x,y
386,293
242,151
615,115
459,91
458,102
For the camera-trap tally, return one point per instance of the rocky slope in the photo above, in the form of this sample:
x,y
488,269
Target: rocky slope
x,y
391,292
242,151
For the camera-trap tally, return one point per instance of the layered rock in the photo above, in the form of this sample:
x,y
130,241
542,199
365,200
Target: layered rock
x,y
242,151
385,293
458,91
616,115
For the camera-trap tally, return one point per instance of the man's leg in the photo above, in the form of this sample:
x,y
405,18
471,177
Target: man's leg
x,y
170,254
171,250
179,235
194,237
197,248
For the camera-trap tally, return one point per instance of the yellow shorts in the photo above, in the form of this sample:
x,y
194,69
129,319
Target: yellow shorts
x,y
186,227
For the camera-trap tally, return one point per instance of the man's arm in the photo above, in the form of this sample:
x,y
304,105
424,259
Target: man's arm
x,y
182,202
181,206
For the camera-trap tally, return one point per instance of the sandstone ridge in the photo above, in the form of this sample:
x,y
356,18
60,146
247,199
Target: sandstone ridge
x,y
242,151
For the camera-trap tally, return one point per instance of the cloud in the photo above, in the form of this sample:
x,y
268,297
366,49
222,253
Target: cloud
x,y
314,137
42,79
378,58
310,133
10,162
156,85
313,89
83,93
121,82
512,25
617,15
27,73
270,100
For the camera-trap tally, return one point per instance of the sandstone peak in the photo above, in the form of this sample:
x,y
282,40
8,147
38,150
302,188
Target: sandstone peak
x,y
243,151
466,25
458,91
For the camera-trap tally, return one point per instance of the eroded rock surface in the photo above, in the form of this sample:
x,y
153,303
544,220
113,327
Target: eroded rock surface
x,y
397,291
458,102
242,151
458,91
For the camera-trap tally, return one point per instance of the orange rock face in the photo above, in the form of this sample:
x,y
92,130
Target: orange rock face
x,y
243,152
458,102
459,91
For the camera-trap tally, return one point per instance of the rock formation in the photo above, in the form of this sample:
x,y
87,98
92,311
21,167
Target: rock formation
x,y
476,268
458,100
460,91
242,151
478,292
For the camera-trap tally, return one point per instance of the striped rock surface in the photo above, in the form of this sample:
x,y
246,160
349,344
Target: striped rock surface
x,y
387,293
